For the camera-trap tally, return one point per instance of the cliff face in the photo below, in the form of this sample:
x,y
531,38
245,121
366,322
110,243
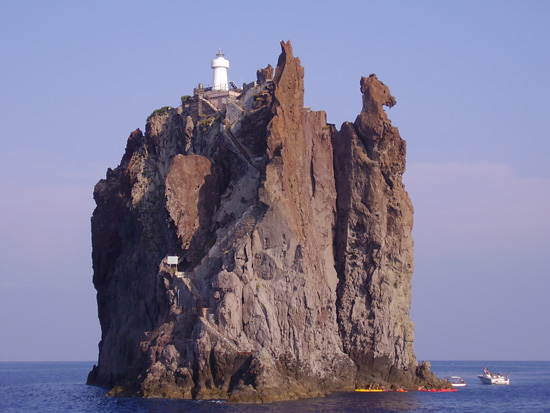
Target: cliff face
x,y
374,247
295,249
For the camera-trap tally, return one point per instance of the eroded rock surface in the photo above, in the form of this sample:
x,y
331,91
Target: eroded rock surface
x,y
295,249
374,247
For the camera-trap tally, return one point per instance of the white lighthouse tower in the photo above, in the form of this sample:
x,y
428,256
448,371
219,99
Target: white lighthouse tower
x,y
220,65
222,92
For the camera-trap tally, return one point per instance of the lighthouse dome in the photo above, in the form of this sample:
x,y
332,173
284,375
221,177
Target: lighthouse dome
x,y
220,61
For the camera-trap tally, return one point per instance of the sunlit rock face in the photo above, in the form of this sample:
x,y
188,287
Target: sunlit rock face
x,y
294,245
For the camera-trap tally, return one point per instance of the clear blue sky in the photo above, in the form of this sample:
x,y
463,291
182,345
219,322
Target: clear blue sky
x,y
472,88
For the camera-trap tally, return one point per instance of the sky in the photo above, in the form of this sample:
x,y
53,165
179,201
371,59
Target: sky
x,y
472,87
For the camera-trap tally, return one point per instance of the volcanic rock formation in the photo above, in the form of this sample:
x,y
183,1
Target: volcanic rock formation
x,y
294,245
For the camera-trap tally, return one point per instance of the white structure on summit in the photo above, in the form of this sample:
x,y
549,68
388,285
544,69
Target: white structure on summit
x,y
220,65
221,93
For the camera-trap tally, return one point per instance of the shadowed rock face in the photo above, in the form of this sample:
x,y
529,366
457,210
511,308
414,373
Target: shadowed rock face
x,y
295,250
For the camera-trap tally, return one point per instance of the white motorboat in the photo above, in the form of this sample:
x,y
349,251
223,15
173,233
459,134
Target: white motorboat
x,y
493,378
456,381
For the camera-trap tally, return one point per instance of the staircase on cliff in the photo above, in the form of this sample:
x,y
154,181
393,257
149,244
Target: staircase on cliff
x,y
203,314
235,145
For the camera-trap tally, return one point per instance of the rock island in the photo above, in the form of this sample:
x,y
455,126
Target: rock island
x,y
246,249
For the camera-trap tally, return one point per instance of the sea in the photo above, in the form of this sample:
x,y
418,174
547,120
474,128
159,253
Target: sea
x,y
61,387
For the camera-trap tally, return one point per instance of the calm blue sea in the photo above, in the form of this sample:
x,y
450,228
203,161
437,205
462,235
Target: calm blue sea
x,y
60,387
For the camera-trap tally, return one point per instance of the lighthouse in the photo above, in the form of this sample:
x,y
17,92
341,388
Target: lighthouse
x,y
222,92
220,65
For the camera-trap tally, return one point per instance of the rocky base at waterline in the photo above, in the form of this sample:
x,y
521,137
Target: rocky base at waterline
x,y
294,243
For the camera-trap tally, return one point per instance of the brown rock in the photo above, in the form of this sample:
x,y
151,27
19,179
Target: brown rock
x,y
264,75
374,246
191,196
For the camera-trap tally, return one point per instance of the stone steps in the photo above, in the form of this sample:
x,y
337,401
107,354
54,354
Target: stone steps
x,y
226,127
212,330
187,281
209,327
